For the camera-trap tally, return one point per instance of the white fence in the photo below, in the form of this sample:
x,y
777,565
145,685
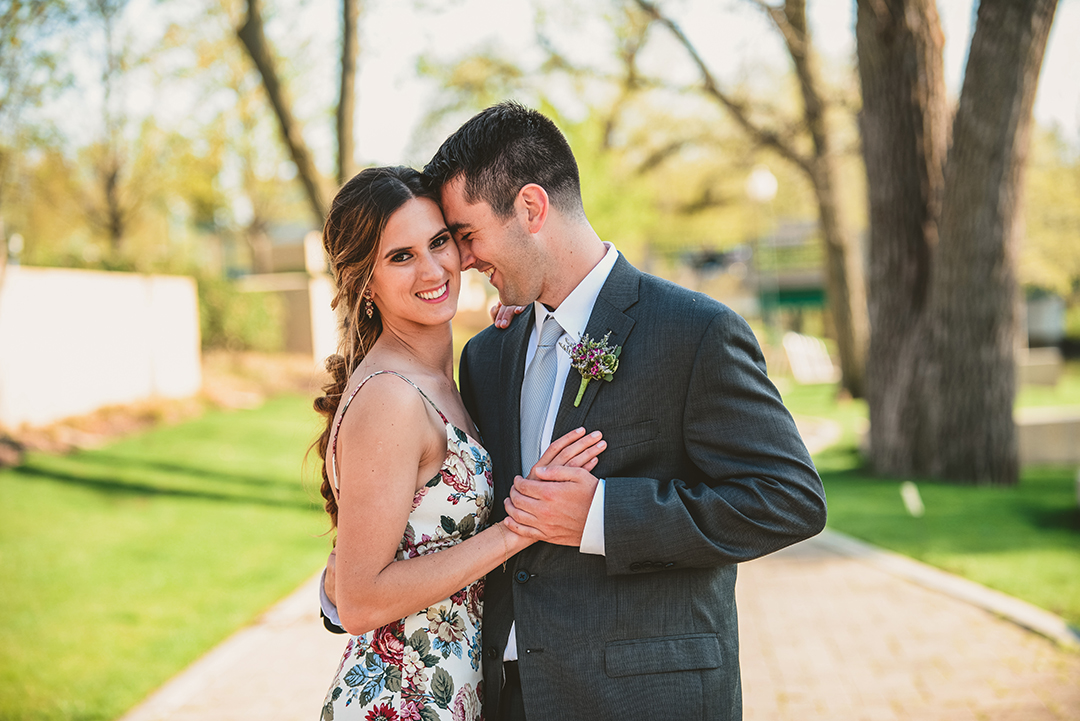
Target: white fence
x,y
72,341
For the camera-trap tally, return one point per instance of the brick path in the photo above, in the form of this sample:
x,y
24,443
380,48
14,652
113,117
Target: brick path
x,y
824,636
827,634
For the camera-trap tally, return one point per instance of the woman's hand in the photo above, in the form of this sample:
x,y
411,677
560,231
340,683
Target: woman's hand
x,y
575,450
503,314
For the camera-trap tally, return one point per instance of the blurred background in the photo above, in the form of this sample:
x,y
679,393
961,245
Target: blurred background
x,y
888,191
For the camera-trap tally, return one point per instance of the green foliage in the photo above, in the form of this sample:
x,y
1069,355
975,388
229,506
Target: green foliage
x,y
123,565
232,319
1050,255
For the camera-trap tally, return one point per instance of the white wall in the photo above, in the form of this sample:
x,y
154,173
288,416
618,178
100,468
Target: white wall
x,y
72,341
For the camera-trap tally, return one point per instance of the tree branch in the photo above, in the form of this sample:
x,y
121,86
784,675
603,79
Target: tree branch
x,y
254,40
347,95
737,109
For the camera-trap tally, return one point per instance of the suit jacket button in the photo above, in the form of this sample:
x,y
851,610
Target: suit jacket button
x,y
635,566
493,653
522,576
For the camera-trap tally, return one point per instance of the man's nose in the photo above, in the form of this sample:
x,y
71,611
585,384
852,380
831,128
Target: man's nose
x,y
468,260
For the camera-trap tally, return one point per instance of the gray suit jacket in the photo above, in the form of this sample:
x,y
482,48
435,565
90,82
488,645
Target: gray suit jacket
x,y
704,469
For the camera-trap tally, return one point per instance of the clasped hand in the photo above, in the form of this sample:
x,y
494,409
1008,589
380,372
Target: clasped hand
x,y
552,503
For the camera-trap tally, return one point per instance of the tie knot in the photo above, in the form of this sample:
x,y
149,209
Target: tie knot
x,y
550,332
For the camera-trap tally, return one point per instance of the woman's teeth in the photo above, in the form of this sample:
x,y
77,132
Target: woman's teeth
x,y
433,294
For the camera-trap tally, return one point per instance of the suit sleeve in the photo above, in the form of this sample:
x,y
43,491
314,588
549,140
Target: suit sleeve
x,y
754,488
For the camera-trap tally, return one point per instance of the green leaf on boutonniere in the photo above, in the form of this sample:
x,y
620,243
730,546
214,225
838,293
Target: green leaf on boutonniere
x,y
593,360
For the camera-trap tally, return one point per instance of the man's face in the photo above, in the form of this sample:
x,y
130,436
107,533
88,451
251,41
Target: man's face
x,y
503,250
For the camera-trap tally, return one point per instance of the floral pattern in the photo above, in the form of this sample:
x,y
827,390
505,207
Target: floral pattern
x,y
426,667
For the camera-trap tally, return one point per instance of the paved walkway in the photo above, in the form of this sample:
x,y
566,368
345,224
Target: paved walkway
x,y
827,634
831,630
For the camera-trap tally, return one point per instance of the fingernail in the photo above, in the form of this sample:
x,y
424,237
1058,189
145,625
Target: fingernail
x,y
601,444
595,434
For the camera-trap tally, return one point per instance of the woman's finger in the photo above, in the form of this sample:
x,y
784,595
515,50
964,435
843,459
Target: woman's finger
x,y
558,445
580,453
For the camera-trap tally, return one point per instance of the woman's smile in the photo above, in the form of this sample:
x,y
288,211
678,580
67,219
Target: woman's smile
x,y
437,294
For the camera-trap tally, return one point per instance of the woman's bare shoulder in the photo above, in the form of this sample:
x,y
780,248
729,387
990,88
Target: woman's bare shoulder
x,y
385,402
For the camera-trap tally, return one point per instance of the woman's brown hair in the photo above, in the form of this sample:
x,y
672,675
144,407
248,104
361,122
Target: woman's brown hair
x,y
351,237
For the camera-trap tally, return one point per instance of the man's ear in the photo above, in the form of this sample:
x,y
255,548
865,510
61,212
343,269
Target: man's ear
x,y
533,201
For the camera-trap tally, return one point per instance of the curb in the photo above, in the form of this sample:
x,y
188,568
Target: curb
x,y
196,682
1012,609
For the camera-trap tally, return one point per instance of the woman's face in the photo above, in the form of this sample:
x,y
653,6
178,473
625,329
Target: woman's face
x,y
417,274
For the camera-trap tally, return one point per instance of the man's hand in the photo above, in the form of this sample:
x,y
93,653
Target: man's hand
x,y
554,508
330,579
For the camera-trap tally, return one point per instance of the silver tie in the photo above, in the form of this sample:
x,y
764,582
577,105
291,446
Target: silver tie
x,y
536,392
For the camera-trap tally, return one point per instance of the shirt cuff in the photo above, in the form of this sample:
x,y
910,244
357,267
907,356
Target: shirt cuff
x,y
329,610
592,537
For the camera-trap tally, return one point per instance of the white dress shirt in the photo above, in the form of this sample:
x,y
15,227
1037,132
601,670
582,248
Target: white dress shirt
x,y
573,317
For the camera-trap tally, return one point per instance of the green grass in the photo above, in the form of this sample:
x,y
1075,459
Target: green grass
x,y
122,565
1065,393
1024,541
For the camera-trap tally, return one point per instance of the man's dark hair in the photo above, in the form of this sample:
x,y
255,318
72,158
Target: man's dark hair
x,y
502,149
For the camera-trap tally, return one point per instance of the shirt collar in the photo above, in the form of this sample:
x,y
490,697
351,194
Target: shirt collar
x,y
573,313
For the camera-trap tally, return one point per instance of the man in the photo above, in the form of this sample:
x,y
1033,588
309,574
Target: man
x,y
627,610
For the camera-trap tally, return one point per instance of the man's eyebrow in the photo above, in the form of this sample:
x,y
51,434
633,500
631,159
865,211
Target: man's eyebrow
x,y
456,227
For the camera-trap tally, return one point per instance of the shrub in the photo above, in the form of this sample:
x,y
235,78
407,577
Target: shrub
x,y
232,319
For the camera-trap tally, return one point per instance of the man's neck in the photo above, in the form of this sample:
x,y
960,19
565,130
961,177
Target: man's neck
x,y
573,258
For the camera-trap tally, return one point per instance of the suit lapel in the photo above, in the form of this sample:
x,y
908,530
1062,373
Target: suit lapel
x,y
515,339
620,291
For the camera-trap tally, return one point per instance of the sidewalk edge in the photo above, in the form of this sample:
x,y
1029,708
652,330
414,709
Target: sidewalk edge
x,y
1013,609
194,679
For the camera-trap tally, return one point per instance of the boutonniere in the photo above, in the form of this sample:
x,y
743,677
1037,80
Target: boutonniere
x,y
594,360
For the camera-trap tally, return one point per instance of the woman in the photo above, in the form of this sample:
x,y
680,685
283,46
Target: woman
x,y
406,483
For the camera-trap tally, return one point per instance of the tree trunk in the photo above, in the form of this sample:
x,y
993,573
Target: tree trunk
x,y
844,278
845,282
347,96
904,127
252,36
974,289
943,235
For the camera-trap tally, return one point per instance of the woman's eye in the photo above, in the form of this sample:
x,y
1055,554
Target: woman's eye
x,y
399,258
440,241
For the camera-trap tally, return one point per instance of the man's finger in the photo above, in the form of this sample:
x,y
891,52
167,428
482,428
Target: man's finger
x,y
521,529
519,514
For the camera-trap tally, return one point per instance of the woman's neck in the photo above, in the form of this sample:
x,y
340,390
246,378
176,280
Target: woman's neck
x,y
429,347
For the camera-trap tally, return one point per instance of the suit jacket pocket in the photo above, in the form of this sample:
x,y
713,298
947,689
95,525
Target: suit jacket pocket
x,y
687,652
631,434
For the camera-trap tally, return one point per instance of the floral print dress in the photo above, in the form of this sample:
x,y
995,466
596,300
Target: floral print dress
x,y
425,667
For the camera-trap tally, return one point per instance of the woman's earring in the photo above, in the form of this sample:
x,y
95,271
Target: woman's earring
x,y
369,308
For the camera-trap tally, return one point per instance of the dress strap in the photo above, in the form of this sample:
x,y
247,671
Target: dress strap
x,y
341,417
